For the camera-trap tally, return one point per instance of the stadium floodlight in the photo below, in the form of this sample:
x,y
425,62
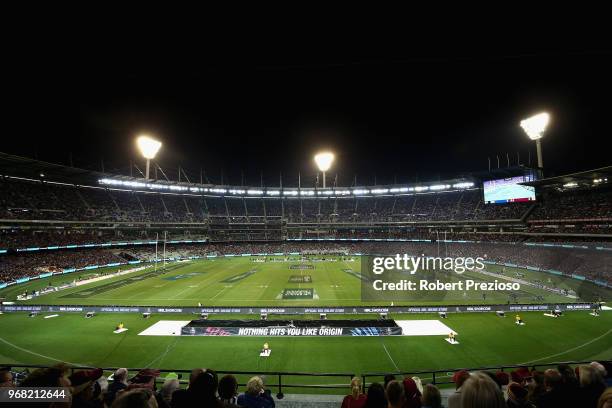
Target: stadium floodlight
x,y
148,148
535,127
324,161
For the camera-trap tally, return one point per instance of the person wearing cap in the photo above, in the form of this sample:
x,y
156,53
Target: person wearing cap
x,y
119,384
454,400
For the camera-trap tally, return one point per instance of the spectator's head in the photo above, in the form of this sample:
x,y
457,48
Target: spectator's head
x,y
255,386
205,385
169,386
388,379
83,380
56,376
135,398
589,376
599,367
410,388
502,378
431,396
6,379
552,379
516,392
568,375
376,396
459,378
120,375
605,401
228,387
194,373
355,387
480,391
395,393
520,375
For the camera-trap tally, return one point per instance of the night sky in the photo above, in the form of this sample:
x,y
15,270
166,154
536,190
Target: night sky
x,y
393,117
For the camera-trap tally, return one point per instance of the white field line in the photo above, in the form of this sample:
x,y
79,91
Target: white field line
x,y
390,358
570,350
38,354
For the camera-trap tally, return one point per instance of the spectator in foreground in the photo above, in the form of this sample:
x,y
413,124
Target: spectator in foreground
x,y
89,397
256,395
517,396
356,399
164,398
605,401
395,394
136,398
591,386
603,371
431,397
411,393
119,384
480,391
228,390
459,378
180,398
388,378
376,396
6,379
536,388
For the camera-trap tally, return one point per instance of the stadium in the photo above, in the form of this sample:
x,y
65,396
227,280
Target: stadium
x,y
182,264
146,286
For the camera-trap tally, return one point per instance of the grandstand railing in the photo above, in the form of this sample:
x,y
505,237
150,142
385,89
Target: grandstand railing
x,y
444,376
274,380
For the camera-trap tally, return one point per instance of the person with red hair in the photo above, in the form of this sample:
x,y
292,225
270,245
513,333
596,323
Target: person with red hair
x,y
411,393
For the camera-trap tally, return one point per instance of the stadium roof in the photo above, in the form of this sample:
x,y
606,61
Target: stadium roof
x,y
17,166
583,179
35,169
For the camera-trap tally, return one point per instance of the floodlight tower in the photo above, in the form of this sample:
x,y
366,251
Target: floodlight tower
x,y
535,127
324,161
149,148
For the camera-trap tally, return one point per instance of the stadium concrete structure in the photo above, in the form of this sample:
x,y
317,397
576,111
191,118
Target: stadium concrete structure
x,y
195,259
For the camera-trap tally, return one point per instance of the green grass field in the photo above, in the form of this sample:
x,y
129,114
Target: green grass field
x,y
486,340
243,282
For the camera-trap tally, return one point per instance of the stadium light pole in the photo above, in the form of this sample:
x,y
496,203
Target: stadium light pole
x,y
535,127
324,161
148,148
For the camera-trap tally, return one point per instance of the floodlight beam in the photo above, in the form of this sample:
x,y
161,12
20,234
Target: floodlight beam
x,y
324,161
148,148
535,127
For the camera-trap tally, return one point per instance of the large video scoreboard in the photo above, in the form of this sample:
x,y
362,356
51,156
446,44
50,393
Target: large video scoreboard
x,y
508,190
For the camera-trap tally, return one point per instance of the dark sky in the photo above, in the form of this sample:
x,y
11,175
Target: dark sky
x,y
393,115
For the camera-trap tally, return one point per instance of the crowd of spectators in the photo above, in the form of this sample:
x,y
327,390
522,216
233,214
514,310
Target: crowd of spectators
x,y
27,200
21,265
583,204
585,386
588,262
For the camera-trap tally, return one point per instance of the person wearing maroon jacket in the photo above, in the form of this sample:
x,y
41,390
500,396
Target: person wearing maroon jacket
x,y
356,399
